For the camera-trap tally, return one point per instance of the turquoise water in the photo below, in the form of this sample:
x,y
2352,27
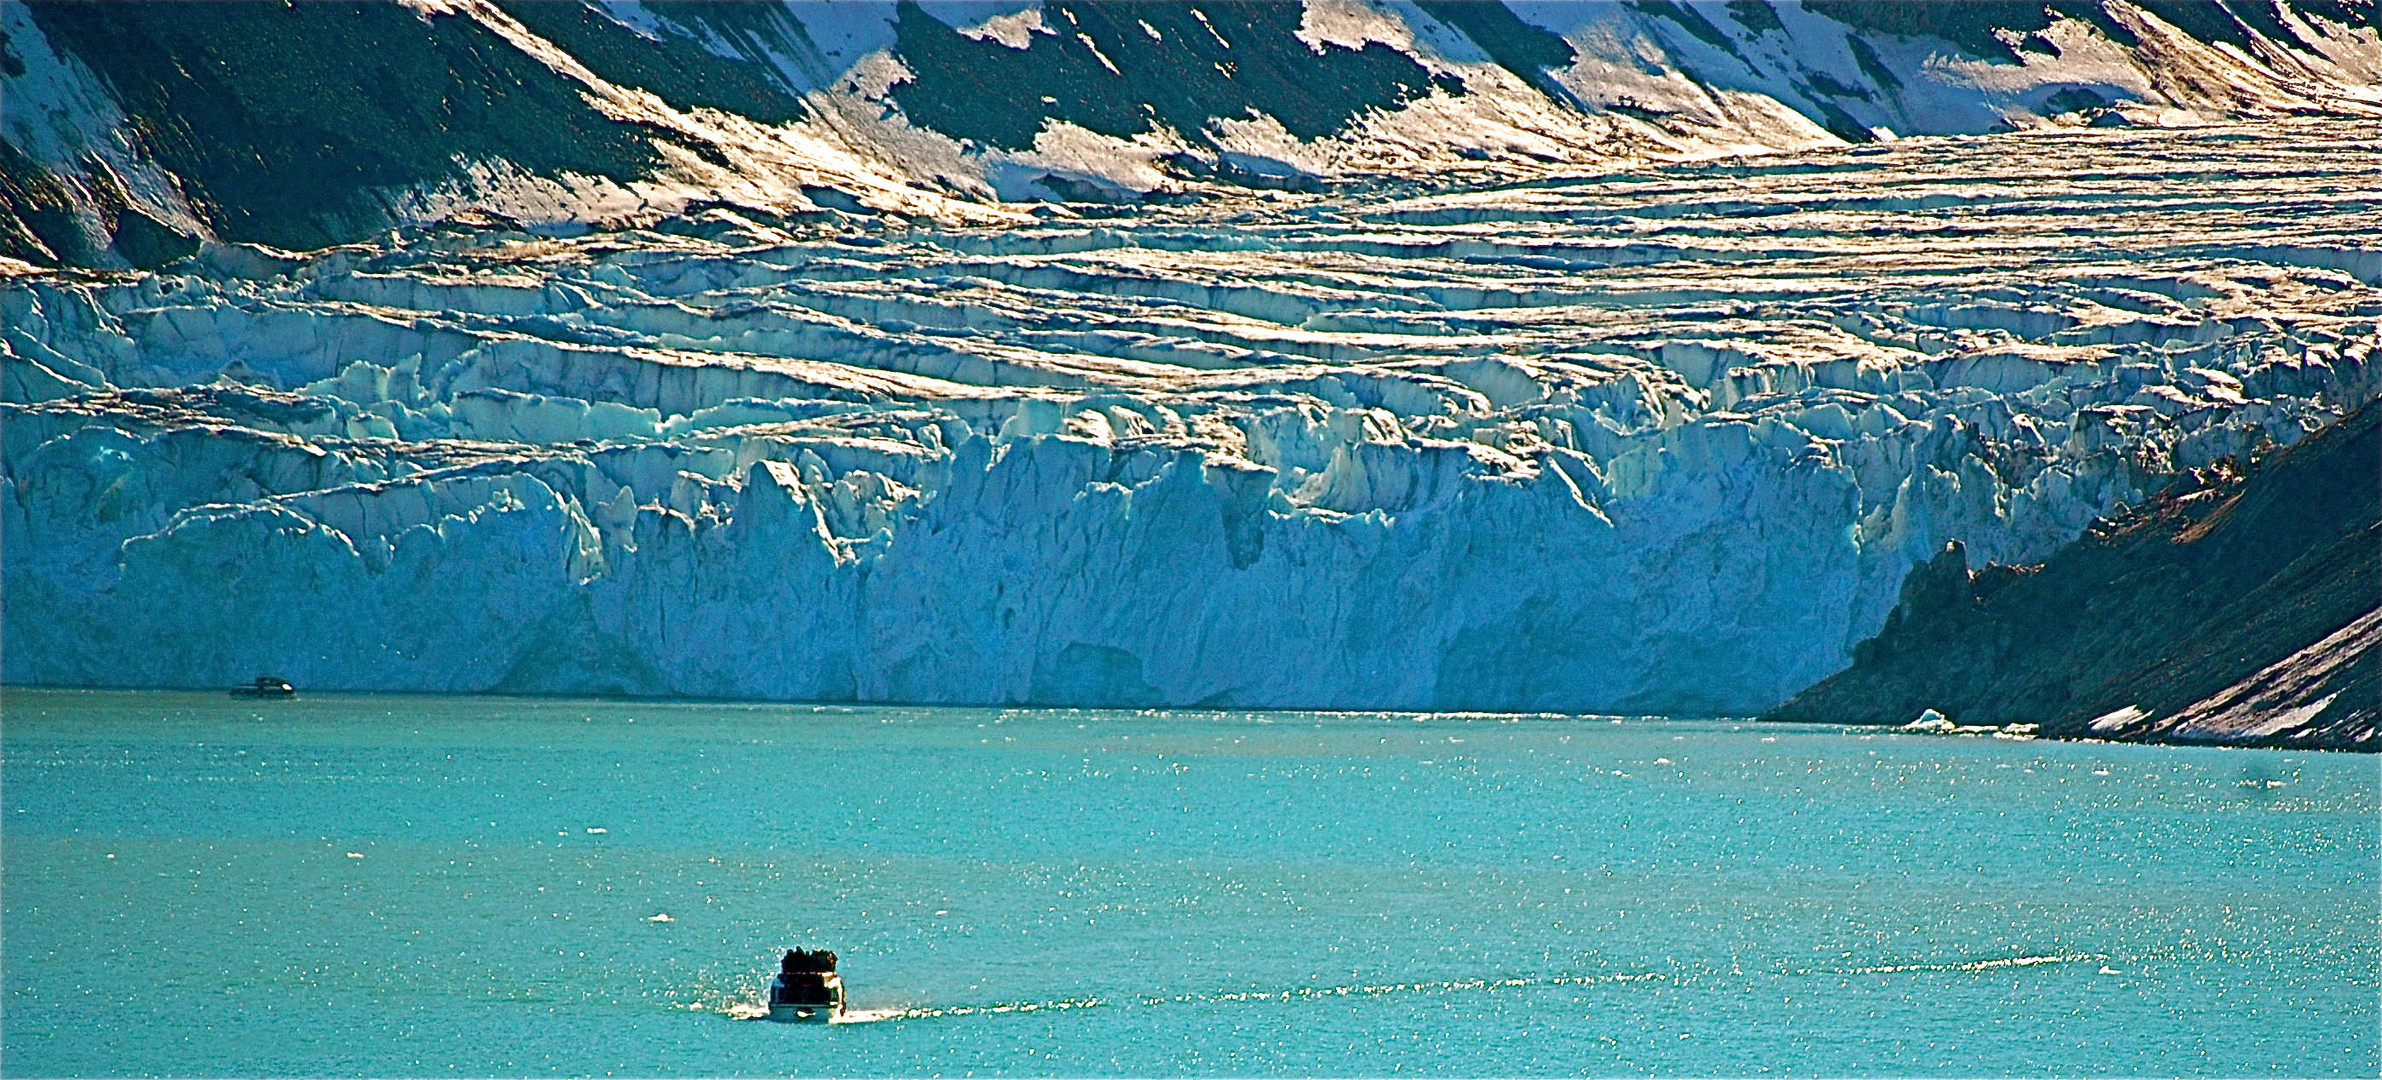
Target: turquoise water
x,y
435,885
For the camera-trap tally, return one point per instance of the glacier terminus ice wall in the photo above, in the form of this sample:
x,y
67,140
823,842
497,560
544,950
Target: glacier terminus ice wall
x,y
1662,436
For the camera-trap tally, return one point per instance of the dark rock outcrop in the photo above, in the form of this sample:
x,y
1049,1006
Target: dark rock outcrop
x,y
2232,608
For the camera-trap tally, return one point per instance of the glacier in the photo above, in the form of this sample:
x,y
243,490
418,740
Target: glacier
x,y
1626,382
1664,440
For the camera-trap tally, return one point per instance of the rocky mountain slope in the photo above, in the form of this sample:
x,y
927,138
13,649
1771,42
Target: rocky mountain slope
x,y
136,131
2226,609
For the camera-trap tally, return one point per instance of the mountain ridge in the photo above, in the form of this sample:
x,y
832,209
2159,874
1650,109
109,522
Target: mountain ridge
x,y
141,130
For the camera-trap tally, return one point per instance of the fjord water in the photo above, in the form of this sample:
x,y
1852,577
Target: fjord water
x,y
430,885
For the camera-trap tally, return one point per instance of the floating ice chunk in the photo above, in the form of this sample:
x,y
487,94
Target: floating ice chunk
x,y
1932,722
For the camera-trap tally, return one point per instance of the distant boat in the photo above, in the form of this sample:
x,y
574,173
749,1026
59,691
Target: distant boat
x,y
806,987
266,686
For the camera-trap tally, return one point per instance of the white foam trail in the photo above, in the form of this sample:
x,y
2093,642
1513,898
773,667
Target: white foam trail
x,y
873,1015
868,1016
1971,965
1384,989
747,1010
754,1010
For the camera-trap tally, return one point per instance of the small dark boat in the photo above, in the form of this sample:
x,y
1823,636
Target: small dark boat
x,y
806,987
266,686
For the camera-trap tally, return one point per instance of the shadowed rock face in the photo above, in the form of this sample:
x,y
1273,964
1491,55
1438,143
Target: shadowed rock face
x,y
1126,69
2233,610
287,123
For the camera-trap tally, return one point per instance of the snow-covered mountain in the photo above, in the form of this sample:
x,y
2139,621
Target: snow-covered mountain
x,y
810,352
134,130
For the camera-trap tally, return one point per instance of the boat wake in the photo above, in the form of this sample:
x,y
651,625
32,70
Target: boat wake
x,y
1444,986
1971,965
868,1016
746,1008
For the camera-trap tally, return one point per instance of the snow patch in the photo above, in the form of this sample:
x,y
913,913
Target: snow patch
x,y
1014,29
2117,718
